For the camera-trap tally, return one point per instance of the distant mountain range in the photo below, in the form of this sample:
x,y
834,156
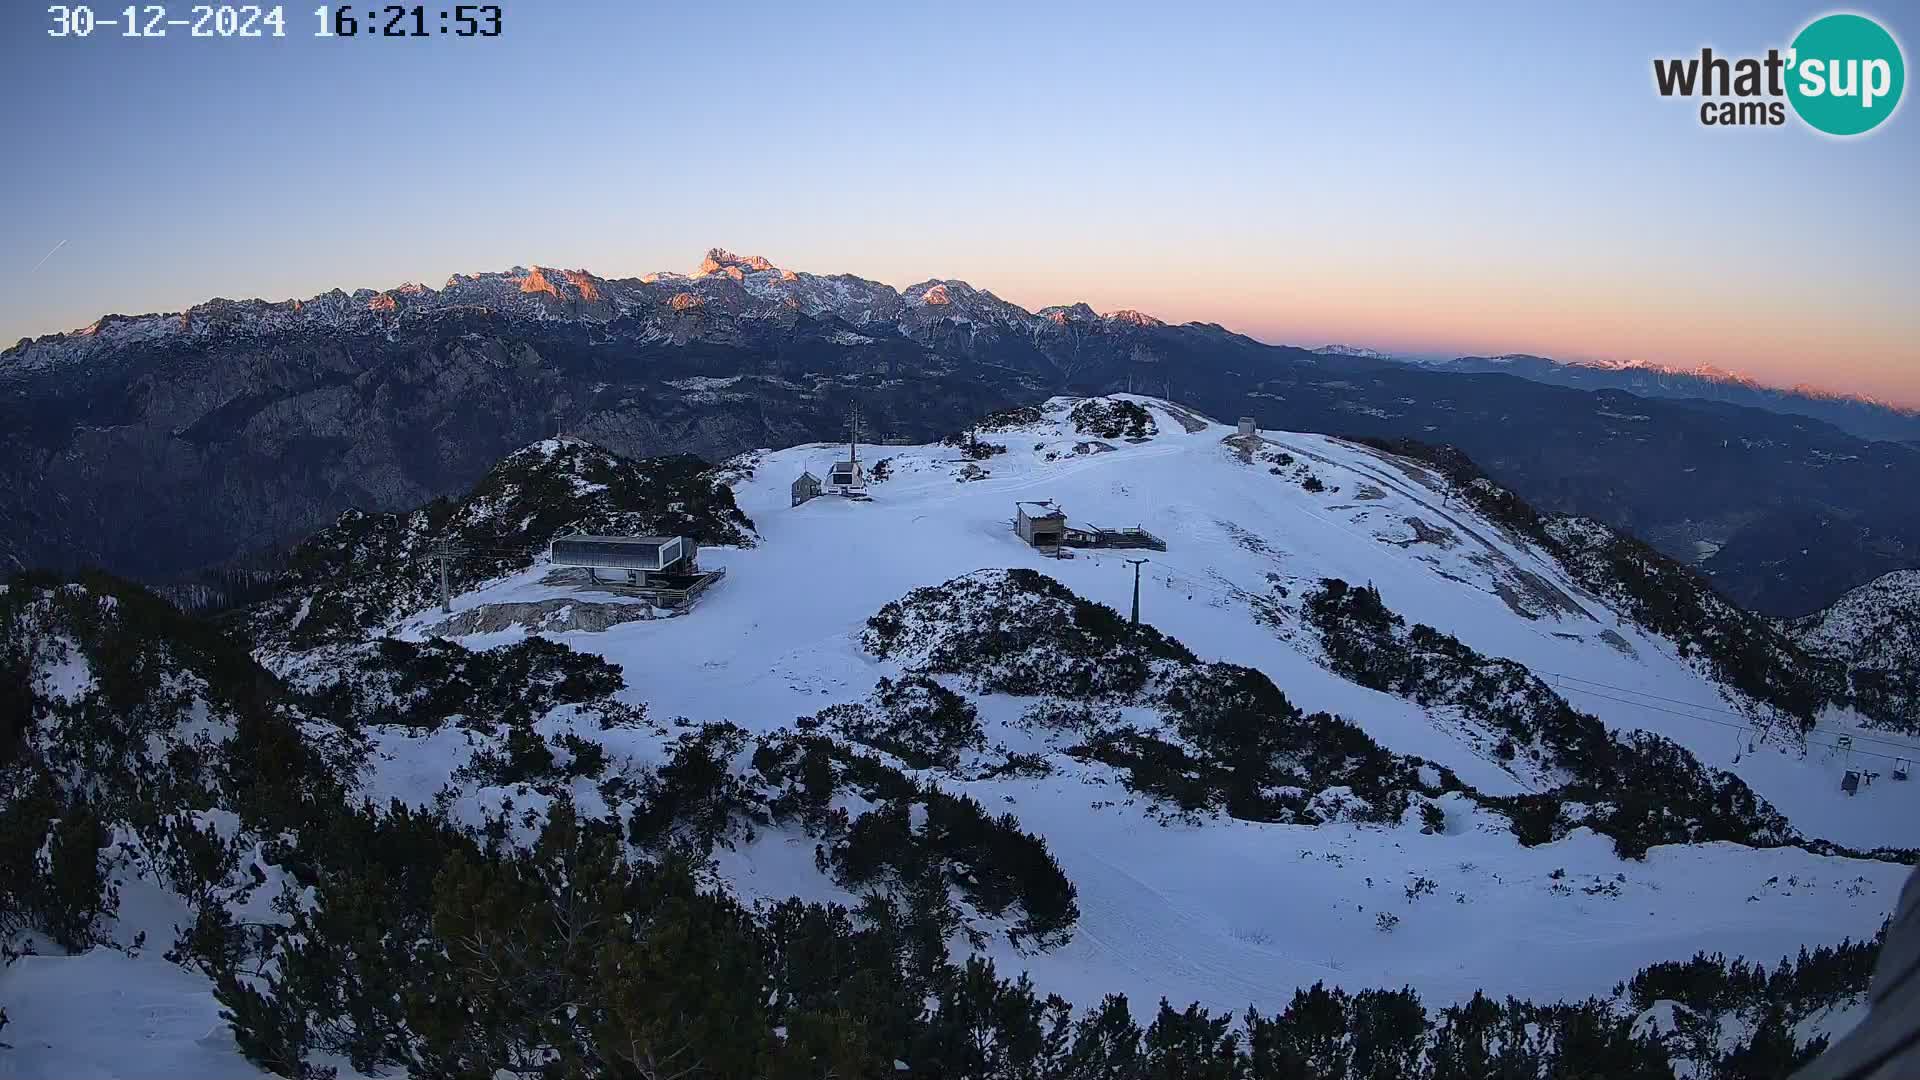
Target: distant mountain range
x,y
1354,350
160,444
1856,414
1866,417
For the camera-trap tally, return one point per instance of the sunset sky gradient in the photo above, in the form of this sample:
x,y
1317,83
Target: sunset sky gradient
x,y
1414,177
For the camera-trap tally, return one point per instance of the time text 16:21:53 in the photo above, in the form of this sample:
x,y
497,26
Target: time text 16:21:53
x,y
263,21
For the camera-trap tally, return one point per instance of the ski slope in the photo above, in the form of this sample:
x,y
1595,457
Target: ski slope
x,y
775,639
1226,912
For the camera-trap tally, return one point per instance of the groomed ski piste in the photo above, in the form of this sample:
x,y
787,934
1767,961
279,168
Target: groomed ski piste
x,y
1218,911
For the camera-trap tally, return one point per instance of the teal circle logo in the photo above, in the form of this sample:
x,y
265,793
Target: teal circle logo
x,y
1845,74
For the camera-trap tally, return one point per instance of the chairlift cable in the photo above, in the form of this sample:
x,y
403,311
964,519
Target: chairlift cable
x,y
1723,723
1711,708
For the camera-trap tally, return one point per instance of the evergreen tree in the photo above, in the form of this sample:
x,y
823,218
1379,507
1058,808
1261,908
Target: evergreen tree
x,y
1106,1043
1389,1034
76,891
1191,1045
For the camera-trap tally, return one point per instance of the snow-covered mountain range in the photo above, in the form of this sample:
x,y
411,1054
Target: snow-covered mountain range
x,y
159,446
1382,725
1354,350
670,306
1860,414
753,287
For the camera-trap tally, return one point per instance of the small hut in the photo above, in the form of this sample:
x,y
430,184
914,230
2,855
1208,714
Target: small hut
x,y
807,487
1044,528
1247,426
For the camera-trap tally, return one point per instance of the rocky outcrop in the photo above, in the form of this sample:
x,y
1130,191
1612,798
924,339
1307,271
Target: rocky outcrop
x,y
367,569
549,616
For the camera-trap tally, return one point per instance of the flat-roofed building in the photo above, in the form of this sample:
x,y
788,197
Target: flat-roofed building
x,y
626,559
664,569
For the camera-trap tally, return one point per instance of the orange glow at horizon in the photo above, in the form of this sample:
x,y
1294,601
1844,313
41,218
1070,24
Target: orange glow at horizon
x,y
1758,334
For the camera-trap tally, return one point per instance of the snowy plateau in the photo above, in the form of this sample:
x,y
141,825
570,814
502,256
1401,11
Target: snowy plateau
x,y
1185,904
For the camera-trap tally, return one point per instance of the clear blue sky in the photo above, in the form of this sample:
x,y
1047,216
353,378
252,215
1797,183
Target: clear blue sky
x,y
1484,177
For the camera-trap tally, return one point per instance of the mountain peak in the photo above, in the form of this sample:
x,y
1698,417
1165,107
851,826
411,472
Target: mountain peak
x,y
536,282
720,260
560,283
1061,314
551,447
1357,351
935,292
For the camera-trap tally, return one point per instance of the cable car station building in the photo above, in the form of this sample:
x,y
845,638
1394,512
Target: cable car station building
x,y
661,568
1046,528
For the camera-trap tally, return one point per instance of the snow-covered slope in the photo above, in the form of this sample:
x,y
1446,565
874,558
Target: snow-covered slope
x,y
1197,906
357,575
1875,625
1246,537
1873,633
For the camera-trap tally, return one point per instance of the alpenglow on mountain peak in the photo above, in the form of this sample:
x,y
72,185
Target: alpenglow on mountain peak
x,y
719,259
723,285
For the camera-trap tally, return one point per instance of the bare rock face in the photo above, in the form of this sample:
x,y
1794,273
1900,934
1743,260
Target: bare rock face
x,y
549,616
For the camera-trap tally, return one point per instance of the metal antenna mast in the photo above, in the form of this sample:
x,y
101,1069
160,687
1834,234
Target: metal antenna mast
x,y
853,436
1136,589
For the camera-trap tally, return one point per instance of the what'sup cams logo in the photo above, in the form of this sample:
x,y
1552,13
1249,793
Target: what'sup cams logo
x,y
1842,75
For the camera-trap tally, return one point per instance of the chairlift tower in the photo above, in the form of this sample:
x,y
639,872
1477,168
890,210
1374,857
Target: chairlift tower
x,y
1136,589
444,552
